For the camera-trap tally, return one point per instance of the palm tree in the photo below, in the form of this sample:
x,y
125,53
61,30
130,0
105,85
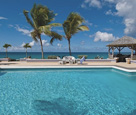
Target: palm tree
x,y
27,46
6,47
72,25
41,18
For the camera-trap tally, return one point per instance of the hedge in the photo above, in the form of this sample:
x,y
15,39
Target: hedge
x,y
80,56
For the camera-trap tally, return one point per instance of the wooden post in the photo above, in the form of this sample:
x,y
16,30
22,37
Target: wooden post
x,y
112,52
119,50
131,53
109,51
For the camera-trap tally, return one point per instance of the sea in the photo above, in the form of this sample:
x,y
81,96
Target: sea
x,y
37,55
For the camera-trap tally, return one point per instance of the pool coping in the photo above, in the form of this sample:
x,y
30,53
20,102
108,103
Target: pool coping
x,y
45,67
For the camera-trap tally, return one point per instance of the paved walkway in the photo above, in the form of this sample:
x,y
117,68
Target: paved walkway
x,y
18,63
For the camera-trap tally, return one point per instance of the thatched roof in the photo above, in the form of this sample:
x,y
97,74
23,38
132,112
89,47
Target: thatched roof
x,y
124,42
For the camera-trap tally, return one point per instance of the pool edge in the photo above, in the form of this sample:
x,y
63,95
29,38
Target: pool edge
x,y
44,67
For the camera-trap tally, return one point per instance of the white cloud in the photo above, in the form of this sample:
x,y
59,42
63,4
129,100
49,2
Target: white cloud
x,y
110,1
104,37
96,3
126,9
22,45
109,12
59,45
23,31
45,43
92,3
32,43
83,5
15,48
108,29
88,23
3,18
10,25
91,36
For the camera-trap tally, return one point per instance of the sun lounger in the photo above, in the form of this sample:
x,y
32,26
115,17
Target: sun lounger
x,y
81,60
42,60
68,59
4,59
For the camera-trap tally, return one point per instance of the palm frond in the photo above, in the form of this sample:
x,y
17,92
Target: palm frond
x,y
27,45
83,28
54,36
6,45
73,24
41,15
28,19
34,35
66,27
55,24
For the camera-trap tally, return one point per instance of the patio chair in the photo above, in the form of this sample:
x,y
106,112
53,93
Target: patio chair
x,y
81,60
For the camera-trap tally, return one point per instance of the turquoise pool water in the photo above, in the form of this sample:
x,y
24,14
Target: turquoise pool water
x,y
67,92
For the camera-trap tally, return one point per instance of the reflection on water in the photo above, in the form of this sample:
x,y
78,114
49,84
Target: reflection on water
x,y
132,113
2,73
59,106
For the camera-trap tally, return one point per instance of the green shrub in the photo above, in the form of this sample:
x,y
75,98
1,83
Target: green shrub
x,y
80,56
52,57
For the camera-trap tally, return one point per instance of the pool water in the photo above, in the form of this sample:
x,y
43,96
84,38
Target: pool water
x,y
67,92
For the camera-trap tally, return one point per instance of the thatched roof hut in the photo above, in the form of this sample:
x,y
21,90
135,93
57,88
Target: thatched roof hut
x,y
119,44
123,42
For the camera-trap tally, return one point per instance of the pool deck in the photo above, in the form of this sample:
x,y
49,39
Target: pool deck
x,y
19,64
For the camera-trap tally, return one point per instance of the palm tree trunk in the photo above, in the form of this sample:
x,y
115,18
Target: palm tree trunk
x,y
6,53
26,52
41,47
69,47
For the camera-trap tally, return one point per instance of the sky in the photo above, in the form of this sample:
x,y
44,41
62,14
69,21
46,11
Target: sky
x,y
107,20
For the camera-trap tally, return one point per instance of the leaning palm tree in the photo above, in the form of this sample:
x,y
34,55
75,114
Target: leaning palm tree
x,y
72,25
6,46
41,18
27,46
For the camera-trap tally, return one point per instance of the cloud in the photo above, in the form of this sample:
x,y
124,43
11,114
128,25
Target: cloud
x,y
16,48
22,45
108,29
91,36
59,45
23,31
110,1
126,9
32,43
96,3
3,18
109,12
88,23
104,37
83,5
10,25
45,43
91,3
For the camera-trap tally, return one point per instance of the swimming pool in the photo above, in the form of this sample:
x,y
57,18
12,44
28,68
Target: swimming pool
x,y
67,92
